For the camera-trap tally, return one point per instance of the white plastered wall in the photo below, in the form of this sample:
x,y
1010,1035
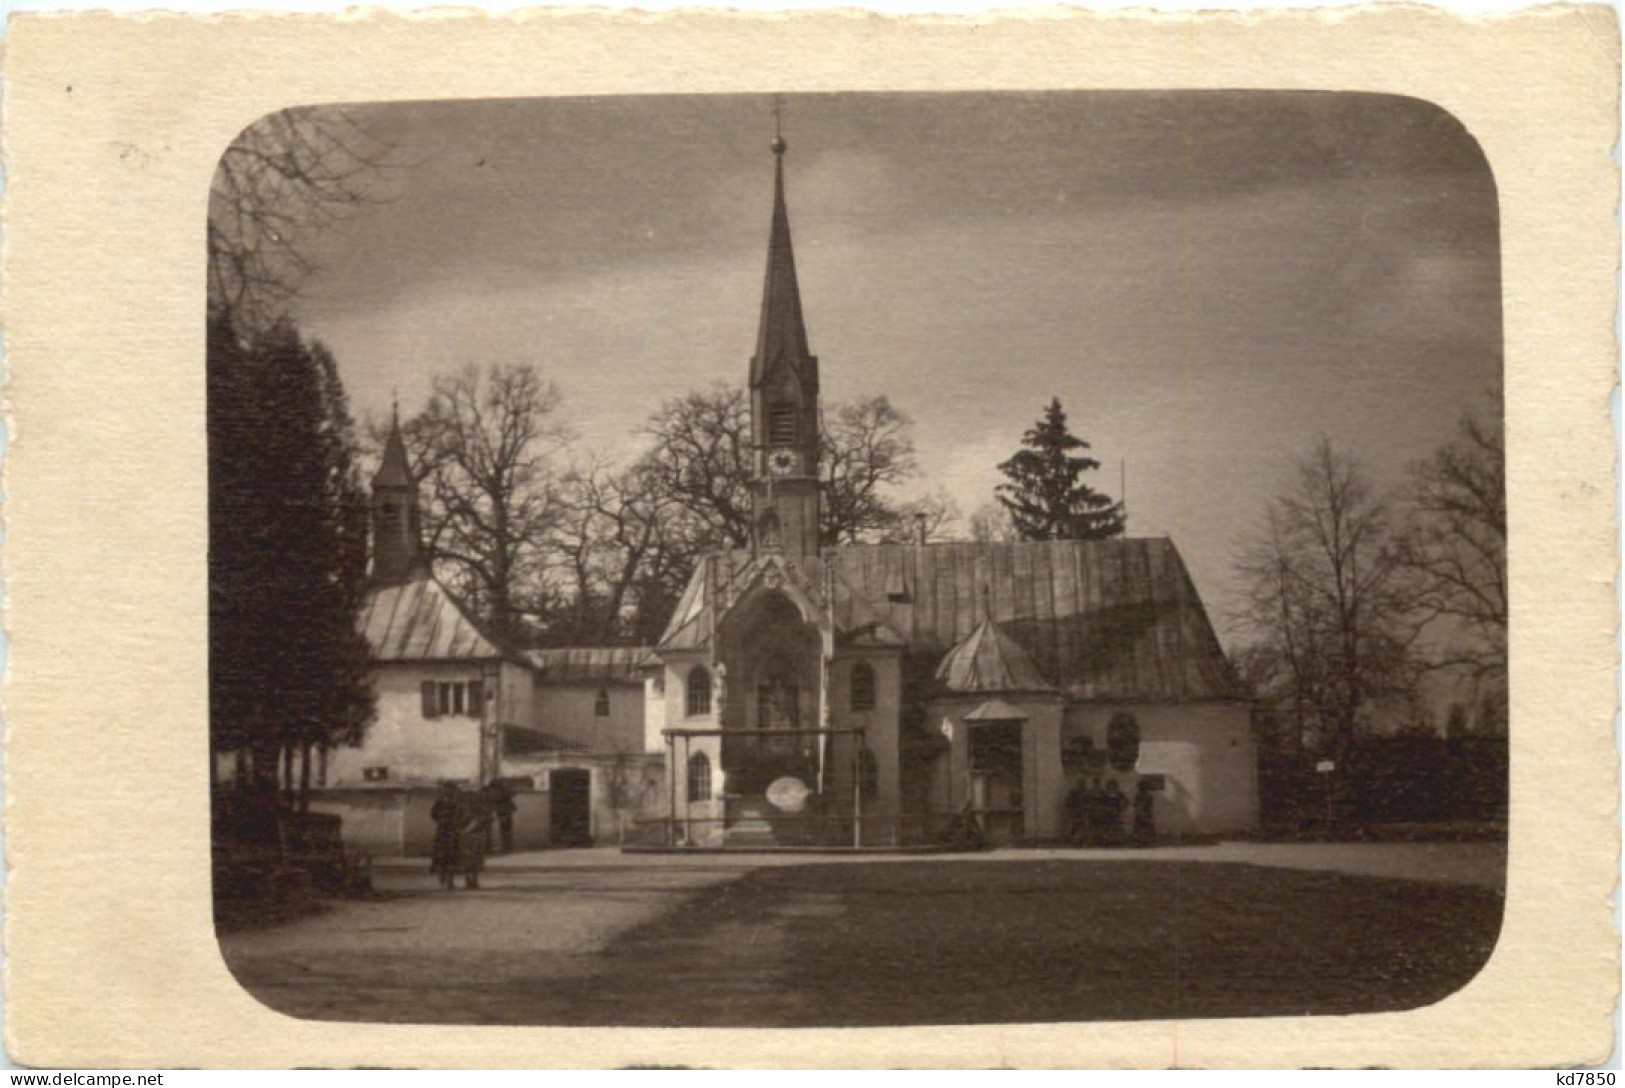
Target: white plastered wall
x,y
1205,751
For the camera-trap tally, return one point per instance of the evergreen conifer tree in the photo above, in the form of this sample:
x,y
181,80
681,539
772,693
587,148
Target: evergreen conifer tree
x,y
289,669
1046,497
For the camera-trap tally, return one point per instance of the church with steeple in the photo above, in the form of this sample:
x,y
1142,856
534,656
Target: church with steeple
x,y
806,694
868,695
783,398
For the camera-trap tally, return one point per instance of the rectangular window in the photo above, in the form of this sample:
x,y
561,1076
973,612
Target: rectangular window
x,y
450,699
697,697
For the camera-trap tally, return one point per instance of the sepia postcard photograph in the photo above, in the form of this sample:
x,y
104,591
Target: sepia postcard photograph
x,y
820,555
880,559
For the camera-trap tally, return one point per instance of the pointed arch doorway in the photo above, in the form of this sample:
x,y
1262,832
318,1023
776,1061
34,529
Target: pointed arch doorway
x,y
772,750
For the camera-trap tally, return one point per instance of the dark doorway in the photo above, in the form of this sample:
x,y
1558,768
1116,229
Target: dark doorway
x,y
570,807
996,780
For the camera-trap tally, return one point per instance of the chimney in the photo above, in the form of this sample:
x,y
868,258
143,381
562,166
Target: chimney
x,y
919,525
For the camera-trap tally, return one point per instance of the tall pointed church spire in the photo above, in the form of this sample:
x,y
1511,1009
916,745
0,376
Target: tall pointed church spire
x,y
783,331
393,470
783,396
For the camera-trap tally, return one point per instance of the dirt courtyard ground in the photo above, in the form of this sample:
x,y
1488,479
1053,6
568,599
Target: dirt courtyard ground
x,y
597,937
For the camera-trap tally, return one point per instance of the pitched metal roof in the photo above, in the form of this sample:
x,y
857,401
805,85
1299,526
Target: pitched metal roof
x,y
988,660
599,664
1104,620
1107,619
418,620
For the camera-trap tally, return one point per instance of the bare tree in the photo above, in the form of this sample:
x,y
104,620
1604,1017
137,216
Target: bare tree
x,y
1326,601
700,459
1455,550
865,449
286,177
485,446
611,533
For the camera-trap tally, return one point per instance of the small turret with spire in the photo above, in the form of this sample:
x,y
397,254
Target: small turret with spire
x,y
783,393
397,545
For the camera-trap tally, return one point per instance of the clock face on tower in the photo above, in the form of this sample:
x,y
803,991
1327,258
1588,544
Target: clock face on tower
x,y
781,462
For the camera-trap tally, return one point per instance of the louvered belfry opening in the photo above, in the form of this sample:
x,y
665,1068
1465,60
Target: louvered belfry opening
x,y
782,425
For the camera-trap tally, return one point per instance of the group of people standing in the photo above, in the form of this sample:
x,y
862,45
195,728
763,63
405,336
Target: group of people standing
x,y
1097,812
463,823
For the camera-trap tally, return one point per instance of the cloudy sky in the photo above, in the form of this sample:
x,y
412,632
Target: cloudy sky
x,y
1206,280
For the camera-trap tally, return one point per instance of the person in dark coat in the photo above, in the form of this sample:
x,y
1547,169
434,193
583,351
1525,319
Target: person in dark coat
x,y
1077,813
447,815
502,804
1094,816
1111,809
474,837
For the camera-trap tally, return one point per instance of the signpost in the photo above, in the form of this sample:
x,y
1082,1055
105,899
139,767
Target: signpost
x,y
1326,767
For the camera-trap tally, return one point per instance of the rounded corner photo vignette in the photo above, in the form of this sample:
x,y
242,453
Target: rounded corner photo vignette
x,y
987,602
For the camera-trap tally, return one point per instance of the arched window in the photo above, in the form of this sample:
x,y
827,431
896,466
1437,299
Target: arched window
x,y
1123,741
781,424
698,696
699,777
600,705
868,774
863,686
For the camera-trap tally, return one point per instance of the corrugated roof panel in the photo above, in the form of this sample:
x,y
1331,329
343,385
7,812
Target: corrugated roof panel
x,y
595,664
419,621
1116,619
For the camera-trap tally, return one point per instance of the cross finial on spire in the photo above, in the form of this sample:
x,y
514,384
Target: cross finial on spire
x,y
778,125
395,405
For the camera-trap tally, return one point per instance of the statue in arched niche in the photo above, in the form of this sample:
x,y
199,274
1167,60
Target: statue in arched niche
x,y
770,532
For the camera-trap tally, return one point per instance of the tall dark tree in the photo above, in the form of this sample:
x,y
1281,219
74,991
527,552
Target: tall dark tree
x,y
289,669
287,520
1046,496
